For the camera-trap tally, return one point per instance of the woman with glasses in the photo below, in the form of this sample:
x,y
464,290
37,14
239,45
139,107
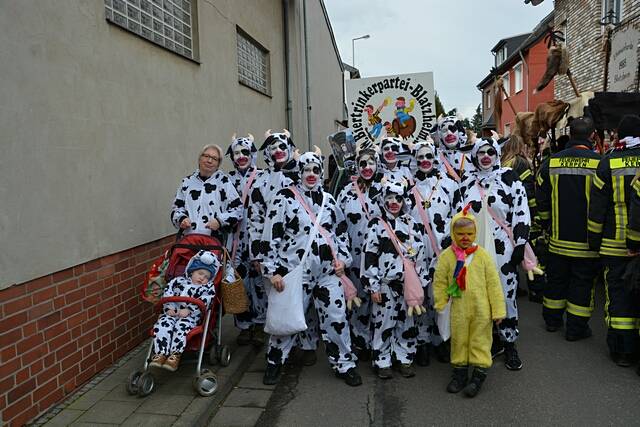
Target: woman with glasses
x,y
206,201
507,216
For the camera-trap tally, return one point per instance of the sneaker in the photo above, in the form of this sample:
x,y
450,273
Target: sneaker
x,y
459,378
309,357
586,333
351,377
406,370
474,386
512,360
443,352
244,337
384,373
497,347
172,362
422,355
259,336
271,374
158,360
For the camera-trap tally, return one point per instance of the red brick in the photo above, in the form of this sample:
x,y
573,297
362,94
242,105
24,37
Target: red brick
x,y
18,304
69,374
62,275
11,337
25,416
9,368
76,319
78,270
87,338
7,354
30,342
40,310
69,386
75,332
122,265
65,351
73,359
74,296
12,292
51,371
49,320
7,383
91,301
30,329
34,354
55,330
108,315
88,362
92,265
36,367
21,390
92,312
22,375
56,396
86,375
58,303
59,341
87,278
95,287
37,284
110,259
90,325
67,286
44,295
13,322
106,272
70,310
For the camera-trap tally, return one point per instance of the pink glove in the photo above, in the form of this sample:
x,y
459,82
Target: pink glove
x,y
413,293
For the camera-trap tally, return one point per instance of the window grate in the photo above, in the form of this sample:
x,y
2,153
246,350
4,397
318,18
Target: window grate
x,y
253,64
167,23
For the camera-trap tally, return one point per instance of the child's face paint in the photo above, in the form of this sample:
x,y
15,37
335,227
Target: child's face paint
x,y
200,277
424,159
464,236
367,167
242,157
393,204
311,175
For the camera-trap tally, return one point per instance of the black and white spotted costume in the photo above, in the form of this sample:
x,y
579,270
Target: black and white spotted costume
x,y
394,331
357,223
203,200
451,137
287,232
170,332
252,279
399,171
508,200
441,201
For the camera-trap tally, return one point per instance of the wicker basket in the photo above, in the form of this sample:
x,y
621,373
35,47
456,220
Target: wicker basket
x,y
234,296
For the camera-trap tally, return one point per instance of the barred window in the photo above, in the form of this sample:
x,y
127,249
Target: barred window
x,y
168,23
253,63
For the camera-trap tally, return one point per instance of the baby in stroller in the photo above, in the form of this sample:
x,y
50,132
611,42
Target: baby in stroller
x,y
178,319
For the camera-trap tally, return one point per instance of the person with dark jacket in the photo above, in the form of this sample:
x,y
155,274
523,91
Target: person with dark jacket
x,y
608,218
564,185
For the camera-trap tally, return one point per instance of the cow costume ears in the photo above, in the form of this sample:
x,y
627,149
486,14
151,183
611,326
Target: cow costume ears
x,y
235,139
285,135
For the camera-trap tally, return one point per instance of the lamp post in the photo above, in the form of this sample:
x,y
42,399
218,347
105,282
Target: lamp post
x,y
353,48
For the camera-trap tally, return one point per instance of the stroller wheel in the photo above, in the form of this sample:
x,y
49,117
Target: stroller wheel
x,y
224,355
146,384
205,384
213,355
132,382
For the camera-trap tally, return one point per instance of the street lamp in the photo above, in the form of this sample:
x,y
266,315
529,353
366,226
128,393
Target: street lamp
x,y
353,48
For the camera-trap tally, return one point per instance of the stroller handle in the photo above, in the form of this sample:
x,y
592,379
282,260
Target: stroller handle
x,y
188,300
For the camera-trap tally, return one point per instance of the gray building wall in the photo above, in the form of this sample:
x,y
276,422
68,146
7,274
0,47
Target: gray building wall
x,y
99,125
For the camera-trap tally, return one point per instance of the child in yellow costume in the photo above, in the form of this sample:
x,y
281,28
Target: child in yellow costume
x,y
466,273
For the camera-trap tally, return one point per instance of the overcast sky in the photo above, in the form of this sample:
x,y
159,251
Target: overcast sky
x,y
452,38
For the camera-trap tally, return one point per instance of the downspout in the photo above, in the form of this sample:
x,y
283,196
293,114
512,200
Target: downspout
x,y
306,66
287,63
526,93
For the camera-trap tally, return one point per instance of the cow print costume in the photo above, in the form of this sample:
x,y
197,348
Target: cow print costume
x,y
202,200
441,200
394,331
508,200
287,232
170,332
245,165
357,221
451,136
398,172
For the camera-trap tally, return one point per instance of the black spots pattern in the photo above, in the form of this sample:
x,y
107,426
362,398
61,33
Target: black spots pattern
x,y
439,223
500,246
195,194
338,327
179,203
274,355
209,188
321,294
354,218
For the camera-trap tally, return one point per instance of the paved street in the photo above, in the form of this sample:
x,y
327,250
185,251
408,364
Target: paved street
x,y
562,383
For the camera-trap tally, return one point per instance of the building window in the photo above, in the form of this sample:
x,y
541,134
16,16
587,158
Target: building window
x,y
505,80
488,101
168,23
501,55
517,77
614,6
253,63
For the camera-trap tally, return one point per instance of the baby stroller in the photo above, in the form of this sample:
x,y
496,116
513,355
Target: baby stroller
x,y
172,264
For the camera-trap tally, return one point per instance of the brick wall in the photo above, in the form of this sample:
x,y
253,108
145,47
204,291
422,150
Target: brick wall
x,y
60,330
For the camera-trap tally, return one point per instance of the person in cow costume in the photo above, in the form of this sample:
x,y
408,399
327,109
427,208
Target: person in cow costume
x,y
435,199
452,137
242,152
508,220
390,148
359,203
385,277
290,219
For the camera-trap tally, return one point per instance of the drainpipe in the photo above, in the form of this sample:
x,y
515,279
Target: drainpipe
x,y
307,80
526,93
287,63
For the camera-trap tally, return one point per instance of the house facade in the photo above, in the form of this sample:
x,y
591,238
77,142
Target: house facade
x,y
105,106
521,61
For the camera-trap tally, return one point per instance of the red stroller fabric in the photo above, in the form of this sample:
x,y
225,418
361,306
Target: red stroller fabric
x,y
181,252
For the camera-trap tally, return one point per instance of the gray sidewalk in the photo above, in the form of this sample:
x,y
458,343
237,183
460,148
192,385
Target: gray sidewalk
x,y
105,401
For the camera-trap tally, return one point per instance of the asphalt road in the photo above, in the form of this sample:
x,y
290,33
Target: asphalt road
x,y
561,383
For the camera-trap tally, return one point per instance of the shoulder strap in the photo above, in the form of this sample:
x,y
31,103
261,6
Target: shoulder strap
x,y
426,221
393,238
498,221
316,220
354,180
449,168
245,194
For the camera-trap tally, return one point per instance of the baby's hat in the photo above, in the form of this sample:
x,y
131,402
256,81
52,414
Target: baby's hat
x,y
204,260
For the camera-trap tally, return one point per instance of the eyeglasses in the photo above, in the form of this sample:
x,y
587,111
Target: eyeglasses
x,y
212,158
427,156
488,152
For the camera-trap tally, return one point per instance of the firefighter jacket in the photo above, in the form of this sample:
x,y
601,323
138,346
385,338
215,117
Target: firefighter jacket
x,y
564,185
610,195
633,227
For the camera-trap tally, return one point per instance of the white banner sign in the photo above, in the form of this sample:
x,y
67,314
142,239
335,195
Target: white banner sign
x,y
623,62
399,105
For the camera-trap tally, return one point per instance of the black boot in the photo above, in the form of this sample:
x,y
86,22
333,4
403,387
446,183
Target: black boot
x,y
272,374
477,378
511,359
459,378
443,352
351,377
422,355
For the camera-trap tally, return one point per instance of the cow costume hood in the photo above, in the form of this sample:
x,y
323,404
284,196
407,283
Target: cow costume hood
x,y
390,187
474,157
311,158
450,128
203,260
243,142
276,139
431,147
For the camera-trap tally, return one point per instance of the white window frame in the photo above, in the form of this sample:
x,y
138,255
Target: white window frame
x,y
506,85
254,68
517,77
618,7
170,24
488,99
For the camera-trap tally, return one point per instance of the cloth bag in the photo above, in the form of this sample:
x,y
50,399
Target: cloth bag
x,y
285,310
443,321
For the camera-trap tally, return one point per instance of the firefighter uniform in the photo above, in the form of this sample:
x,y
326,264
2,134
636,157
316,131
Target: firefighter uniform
x,y
608,213
564,185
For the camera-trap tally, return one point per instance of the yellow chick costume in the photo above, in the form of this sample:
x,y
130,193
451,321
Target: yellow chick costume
x,y
480,302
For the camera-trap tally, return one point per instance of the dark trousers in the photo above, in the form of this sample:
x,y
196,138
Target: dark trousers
x,y
569,287
620,308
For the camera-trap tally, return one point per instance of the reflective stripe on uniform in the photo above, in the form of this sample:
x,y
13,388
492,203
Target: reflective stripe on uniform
x,y
633,235
598,182
554,304
532,203
524,175
578,310
544,214
619,206
571,171
554,206
623,323
573,163
594,227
